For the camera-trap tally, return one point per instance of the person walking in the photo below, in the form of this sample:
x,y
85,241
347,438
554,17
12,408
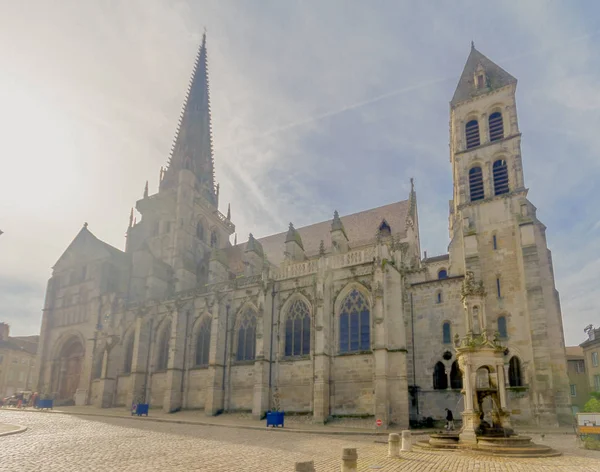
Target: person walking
x,y
449,420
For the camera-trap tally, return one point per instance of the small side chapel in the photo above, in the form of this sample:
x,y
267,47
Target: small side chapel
x,y
341,318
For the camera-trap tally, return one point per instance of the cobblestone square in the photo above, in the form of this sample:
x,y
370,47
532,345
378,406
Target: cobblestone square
x,y
57,442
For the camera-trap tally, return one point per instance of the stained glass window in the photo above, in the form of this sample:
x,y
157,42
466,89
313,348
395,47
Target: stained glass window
x,y
355,324
297,330
246,348
203,342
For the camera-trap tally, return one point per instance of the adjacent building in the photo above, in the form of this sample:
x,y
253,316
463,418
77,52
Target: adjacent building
x,y
17,362
579,385
342,317
591,351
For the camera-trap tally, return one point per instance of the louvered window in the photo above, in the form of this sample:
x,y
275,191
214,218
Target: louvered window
x,y
500,177
472,134
496,126
476,184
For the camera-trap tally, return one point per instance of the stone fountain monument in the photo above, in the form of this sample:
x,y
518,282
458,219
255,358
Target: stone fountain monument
x,y
480,358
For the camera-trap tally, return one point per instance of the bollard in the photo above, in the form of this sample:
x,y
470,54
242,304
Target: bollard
x,y
406,441
305,466
349,459
394,445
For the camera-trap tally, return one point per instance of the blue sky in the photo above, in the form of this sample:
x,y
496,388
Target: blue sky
x,y
317,105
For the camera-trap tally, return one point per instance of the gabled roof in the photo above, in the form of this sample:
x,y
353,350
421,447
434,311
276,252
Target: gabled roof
x,y
361,229
89,247
496,78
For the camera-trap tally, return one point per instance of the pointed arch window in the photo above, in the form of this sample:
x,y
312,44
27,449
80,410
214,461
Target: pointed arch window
x,y
502,327
440,379
446,333
476,184
472,134
203,342
515,378
200,231
128,354
456,380
500,172
355,323
438,297
443,274
385,229
496,126
163,348
297,330
246,345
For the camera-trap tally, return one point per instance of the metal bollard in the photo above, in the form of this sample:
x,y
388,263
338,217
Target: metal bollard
x,y
406,441
349,459
308,466
394,445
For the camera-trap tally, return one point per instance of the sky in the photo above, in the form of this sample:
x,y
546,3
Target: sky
x,y
317,105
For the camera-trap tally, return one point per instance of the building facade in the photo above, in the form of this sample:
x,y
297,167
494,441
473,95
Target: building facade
x,y
579,384
17,362
591,352
341,318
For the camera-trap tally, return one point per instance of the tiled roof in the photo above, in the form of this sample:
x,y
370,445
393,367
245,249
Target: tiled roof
x,y
360,227
443,257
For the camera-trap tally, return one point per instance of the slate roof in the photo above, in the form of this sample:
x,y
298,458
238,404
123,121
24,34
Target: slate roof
x,y
86,236
443,257
497,78
360,228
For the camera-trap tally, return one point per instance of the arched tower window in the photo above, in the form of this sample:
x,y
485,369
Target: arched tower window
x,y
500,171
514,372
438,297
476,184
472,134
355,323
502,327
200,231
163,348
446,333
297,330
456,380
246,346
128,354
440,379
496,126
443,274
203,342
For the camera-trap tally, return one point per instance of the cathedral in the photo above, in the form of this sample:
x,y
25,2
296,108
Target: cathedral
x,y
341,318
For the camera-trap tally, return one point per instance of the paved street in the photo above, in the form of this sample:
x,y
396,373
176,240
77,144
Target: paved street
x,y
56,442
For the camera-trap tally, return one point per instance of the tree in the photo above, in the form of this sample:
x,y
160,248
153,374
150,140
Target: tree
x,y
592,406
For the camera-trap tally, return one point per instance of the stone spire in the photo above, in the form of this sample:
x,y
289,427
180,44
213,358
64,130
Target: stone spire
x,y
293,235
192,147
146,190
495,77
131,218
339,239
229,211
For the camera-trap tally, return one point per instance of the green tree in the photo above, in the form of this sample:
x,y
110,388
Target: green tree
x,y
592,406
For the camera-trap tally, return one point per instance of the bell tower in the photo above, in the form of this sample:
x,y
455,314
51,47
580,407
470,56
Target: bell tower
x,y
497,238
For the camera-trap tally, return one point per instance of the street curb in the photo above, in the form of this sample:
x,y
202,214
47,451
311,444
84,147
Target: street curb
x,y
20,429
259,428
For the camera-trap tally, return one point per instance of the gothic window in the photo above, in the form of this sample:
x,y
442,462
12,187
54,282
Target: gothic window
x,y
495,242
480,81
297,330
203,342
438,297
514,372
496,126
472,134
456,380
500,171
385,229
440,379
214,242
163,348
200,231
476,184
446,334
246,346
498,288
443,274
355,324
128,354
502,327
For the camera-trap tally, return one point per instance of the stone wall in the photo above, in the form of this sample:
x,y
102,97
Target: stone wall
x,y
241,392
197,386
295,385
123,387
158,387
353,388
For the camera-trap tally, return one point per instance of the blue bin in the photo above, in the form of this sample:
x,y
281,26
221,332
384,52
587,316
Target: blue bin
x,y
140,409
45,404
275,418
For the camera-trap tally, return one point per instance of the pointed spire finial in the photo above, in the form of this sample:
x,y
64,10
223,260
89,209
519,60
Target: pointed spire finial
x,y
146,190
235,239
229,211
85,225
472,44
412,184
131,218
